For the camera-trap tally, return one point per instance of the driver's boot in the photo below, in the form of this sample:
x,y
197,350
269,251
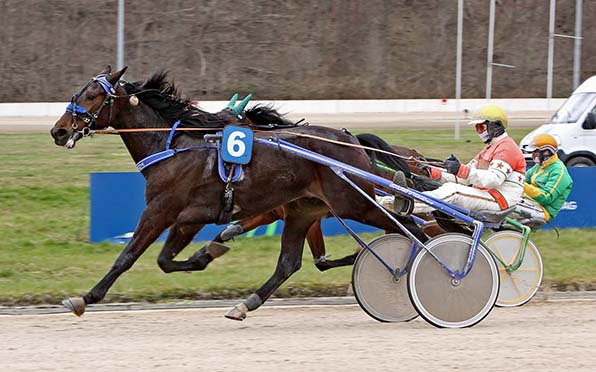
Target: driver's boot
x,y
401,203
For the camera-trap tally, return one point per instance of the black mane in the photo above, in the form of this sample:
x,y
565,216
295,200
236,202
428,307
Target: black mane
x,y
164,97
267,117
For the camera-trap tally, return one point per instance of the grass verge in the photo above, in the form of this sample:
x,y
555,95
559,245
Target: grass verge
x,y
44,222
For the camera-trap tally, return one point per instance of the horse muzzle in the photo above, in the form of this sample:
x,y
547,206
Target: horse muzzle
x,y
63,138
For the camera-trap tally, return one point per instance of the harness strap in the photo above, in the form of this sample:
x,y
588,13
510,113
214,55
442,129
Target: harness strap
x,y
105,83
155,158
73,107
168,152
163,155
171,135
235,172
225,214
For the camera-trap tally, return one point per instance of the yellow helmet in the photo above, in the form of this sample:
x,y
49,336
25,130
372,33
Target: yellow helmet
x,y
491,113
544,141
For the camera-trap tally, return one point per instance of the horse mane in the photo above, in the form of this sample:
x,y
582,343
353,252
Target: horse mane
x,y
267,117
165,98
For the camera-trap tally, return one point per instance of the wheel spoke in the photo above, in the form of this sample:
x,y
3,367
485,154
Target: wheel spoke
x,y
518,286
376,289
445,302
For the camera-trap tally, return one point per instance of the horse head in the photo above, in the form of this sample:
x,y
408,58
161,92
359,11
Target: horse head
x,y
86,109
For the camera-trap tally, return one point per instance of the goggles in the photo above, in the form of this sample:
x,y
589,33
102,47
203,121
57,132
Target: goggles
x,y
534,149
481,127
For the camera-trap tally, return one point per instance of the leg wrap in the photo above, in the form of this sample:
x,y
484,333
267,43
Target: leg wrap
x,y
253,302
320,259
231,231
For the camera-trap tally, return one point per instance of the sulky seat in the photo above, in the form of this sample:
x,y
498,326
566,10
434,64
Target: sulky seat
x,y
496,216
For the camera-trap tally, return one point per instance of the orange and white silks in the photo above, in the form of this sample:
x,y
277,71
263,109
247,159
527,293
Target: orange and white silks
x,y
493,180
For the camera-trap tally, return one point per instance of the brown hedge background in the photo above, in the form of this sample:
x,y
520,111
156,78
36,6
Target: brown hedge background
x,y
284,49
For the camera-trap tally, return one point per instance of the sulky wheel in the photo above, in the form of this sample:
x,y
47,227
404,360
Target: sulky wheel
x,y
445,301
379,293
517,286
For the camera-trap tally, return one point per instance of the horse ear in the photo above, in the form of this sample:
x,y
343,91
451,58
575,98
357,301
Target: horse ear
x,y
117,75
106,70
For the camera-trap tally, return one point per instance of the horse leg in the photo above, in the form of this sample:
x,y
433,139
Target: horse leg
x,y
296,226
316,243
152,223
247,224
180,235
215,248
330,264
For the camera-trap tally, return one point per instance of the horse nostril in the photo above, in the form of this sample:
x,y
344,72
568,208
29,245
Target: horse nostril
x,y
60,132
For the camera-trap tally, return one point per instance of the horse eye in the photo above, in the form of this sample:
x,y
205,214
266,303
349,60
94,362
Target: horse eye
x,y
90,97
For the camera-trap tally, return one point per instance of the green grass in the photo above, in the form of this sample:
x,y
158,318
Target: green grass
x,y
44,223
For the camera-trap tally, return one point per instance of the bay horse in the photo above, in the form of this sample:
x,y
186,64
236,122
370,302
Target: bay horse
x,y
184,192
405,160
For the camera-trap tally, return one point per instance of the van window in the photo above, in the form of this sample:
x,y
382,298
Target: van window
x,y
573,108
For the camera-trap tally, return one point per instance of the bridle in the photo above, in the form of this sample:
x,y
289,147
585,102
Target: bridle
x,y
89,118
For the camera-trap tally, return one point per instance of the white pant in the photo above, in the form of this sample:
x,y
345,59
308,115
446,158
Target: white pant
x,y
464,196
528,209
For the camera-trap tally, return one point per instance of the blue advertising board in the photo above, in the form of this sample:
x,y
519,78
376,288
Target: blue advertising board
x,y
579,209
117,201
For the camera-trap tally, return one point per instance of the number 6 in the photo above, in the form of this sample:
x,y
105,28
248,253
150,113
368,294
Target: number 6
x,y
235,146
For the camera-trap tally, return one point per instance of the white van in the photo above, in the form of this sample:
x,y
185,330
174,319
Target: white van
x,y
574,127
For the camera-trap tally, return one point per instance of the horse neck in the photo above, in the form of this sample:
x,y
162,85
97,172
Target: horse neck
x,y
142,144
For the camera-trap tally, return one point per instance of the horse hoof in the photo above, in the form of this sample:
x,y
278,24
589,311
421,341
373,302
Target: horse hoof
x,y
75,304
238,312
216,249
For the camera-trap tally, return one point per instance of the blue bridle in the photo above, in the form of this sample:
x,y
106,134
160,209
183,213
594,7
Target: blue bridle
x,y
87,117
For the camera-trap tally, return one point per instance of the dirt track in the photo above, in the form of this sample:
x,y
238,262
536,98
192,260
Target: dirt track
x,y
540,336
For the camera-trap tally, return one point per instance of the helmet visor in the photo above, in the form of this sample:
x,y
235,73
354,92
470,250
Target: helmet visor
x,y
534,148
481,127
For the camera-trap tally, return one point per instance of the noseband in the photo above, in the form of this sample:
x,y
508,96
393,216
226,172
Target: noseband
x,y
89,118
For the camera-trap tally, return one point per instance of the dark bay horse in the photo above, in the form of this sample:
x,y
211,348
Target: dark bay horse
x,y
184,192
405,160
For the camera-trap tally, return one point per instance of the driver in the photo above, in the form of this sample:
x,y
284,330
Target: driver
x,y
547,185
493,180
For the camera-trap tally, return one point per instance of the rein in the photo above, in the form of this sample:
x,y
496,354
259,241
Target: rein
x,y
140,130
89,119
360,147
133,130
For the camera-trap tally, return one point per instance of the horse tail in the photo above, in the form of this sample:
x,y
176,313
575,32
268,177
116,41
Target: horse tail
x,y
376,142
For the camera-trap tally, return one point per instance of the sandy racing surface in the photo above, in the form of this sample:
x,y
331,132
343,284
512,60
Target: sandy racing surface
x,y
544,335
